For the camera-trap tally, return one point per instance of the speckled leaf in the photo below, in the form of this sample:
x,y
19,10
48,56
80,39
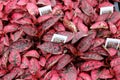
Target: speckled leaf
x,y
91,65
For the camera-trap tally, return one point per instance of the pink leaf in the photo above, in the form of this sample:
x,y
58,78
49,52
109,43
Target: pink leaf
x,y
59,27
32,10
30,30
87,8
91,65
72,49
1,6
6,40
2,72
97,42
53,60
93,3
99,25
117,77
116,69
50,22
114,17
115,62
91,56
10,6
112,51
16,16
52,48
1,25
34,66
32,53
25,63
50,74
64,60
103,17
42,61
69,73
44,18
12,74
81,27
85,76
4,59
1,48
23,21
95,74
40,73
82,47
55,77
69,14
105,74
112,27
78,36
21,45
15,58
68,3
22,2
10,28
44,2
16,35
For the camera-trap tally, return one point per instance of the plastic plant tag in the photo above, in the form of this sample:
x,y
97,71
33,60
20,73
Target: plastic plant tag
x,y
45,10
112,43
116,4
59,38
108,9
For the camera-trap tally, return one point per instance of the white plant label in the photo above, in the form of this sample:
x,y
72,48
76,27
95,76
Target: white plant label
x,y
114,43
116,6
59,38
108,9
45,10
